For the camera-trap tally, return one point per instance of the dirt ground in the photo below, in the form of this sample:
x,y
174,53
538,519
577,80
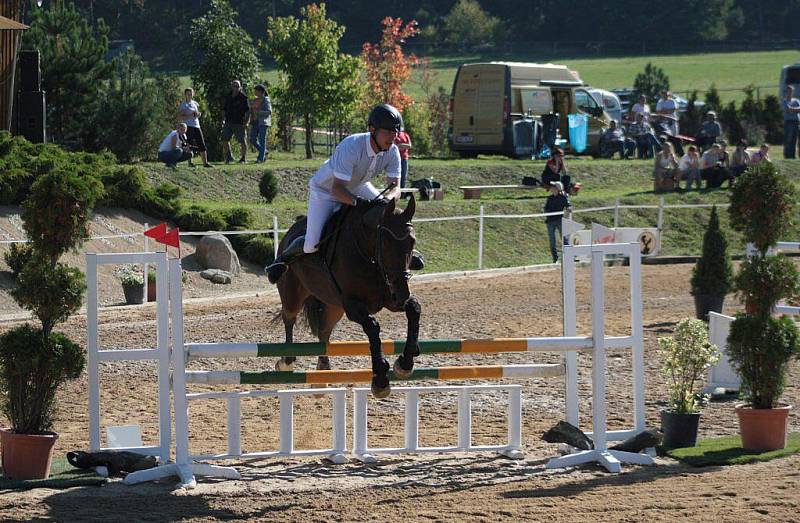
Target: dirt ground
x,y
462,487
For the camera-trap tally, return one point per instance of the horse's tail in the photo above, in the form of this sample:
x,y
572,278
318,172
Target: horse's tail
x,y
313,310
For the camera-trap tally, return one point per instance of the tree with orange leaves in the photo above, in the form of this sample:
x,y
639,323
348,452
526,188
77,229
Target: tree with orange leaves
x,y
388,68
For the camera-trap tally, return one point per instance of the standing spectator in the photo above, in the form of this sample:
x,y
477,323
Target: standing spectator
x,y
557,201
614,140
641,107
791,123
260,121
403,142
689,167
236,108
667,107
175,148
190,113
555,170
762,154
665,169
740,160
709,132
646,140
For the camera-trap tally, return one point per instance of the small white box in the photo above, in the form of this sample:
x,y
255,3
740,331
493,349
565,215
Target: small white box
x,y
124,436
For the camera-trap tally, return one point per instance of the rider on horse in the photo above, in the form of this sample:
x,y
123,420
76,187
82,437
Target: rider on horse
x,y
344,179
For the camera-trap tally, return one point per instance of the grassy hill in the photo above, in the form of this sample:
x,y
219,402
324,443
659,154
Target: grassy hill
x,y
453,245
686,72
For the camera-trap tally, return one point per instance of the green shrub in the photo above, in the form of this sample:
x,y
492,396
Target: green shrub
x,y
238,217
123,185
197,218
18,256
713,273
26,357
260,250
760,348
160,202
268,186
239,241
51,293
763,281
417,120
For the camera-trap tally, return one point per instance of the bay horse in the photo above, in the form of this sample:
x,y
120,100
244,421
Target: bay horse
x,y
362,267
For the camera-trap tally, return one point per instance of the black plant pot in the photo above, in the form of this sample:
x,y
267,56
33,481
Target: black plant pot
x,y
680,430
705,303
134,294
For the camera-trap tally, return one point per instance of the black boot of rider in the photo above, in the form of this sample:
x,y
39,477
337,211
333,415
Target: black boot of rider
x,y
276,269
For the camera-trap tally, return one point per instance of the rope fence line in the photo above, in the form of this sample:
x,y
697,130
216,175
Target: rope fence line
x,y
276,231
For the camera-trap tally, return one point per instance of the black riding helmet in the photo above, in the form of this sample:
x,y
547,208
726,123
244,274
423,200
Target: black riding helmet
x,y
385,116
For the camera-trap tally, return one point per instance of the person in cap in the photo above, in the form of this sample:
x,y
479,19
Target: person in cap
x,y
740,159
709,132
345,179
557,201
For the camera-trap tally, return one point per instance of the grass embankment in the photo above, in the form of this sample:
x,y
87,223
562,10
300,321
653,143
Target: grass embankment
x,y
728,451
453,245
730,72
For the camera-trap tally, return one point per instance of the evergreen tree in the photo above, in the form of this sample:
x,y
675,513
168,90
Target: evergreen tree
x,y
651,82
713,101
74,70
713,274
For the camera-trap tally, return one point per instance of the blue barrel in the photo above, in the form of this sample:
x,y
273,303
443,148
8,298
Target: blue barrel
x,y
578,131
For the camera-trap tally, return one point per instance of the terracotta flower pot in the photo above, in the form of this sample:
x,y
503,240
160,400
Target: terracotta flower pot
x,y
151,291
27,456
763,429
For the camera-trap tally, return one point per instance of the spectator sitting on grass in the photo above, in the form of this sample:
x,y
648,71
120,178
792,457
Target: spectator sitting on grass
x,y
761,155
689,167
665,164
740,160
715,166
614,140
557,201
709,132
175,147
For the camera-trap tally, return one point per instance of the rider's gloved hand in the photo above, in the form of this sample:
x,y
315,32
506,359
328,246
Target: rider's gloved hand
x,y
362,202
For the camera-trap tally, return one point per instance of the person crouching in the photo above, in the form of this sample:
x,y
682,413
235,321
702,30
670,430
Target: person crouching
x,y
175,147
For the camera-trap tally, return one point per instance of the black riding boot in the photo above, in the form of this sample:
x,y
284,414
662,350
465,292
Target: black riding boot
x,y
276,269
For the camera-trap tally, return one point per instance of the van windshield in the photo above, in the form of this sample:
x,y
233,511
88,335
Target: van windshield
x,y
793,75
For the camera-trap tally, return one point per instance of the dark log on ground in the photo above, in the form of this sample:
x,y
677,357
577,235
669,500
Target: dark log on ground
x,y
563,432
115,461
644,440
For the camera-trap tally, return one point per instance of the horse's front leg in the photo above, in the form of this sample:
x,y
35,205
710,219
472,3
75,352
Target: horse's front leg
x,y
358,313
404,364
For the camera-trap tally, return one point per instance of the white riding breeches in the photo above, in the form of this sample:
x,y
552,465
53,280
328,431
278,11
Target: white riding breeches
x,y
321,206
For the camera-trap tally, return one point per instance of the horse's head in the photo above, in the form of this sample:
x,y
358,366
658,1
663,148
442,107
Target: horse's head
x,y
394,245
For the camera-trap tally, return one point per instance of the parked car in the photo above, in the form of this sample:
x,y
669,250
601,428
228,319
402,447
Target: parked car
x,y
627,98
609,101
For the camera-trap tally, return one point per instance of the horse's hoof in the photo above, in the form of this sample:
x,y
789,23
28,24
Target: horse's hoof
x,y
323,365
400,372
381,392
282,366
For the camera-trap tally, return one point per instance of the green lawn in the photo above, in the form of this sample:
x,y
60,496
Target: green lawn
x,y
454,245
686,72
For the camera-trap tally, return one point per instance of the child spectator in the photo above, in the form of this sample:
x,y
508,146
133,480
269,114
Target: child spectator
x,y
761,155
665,169
740,160
557,201
689,167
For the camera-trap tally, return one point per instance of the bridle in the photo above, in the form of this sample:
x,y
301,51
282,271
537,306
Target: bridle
x,y
378,260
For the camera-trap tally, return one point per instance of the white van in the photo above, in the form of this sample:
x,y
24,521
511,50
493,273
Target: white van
x,y
610,102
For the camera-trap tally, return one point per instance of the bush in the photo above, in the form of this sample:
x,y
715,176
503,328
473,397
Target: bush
x,y
651,82
760,348
237,217
712,274
52,294
200,219
260,250
161,202
417,118
268,186
123,185
18,256
26,357
239,242
763,281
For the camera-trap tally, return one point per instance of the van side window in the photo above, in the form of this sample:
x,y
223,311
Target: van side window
x,y
585,102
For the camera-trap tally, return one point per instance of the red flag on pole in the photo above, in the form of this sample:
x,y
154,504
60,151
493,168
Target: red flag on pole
x,y
172,238
159,231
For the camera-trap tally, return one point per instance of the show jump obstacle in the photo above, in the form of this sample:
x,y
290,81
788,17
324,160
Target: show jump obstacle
x,y
186,465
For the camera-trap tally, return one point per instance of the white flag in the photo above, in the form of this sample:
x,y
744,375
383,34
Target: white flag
x,y
602,234
569,226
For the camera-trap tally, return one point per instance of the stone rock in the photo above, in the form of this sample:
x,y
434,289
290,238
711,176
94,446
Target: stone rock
x,y
217,276
215,252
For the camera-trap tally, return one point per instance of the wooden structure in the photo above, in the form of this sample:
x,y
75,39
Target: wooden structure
x,y
10,39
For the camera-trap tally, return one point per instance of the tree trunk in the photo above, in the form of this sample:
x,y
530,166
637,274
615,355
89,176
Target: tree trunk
x,y
309,138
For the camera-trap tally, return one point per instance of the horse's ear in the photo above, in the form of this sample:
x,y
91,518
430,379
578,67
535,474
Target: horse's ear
x,y
408,213
389,209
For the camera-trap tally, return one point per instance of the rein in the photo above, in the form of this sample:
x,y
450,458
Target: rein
x,y
377,260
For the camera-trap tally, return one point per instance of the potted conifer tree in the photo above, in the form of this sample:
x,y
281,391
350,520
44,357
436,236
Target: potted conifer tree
x,y
760,346
712,276
684,358
35,360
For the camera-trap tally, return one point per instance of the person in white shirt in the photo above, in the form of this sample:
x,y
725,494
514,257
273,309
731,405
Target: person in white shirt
x,y
189,111
641,107
689,166
344,179
174,147
667,107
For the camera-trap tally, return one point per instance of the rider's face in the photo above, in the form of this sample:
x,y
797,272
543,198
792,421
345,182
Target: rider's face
x,y
385,138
